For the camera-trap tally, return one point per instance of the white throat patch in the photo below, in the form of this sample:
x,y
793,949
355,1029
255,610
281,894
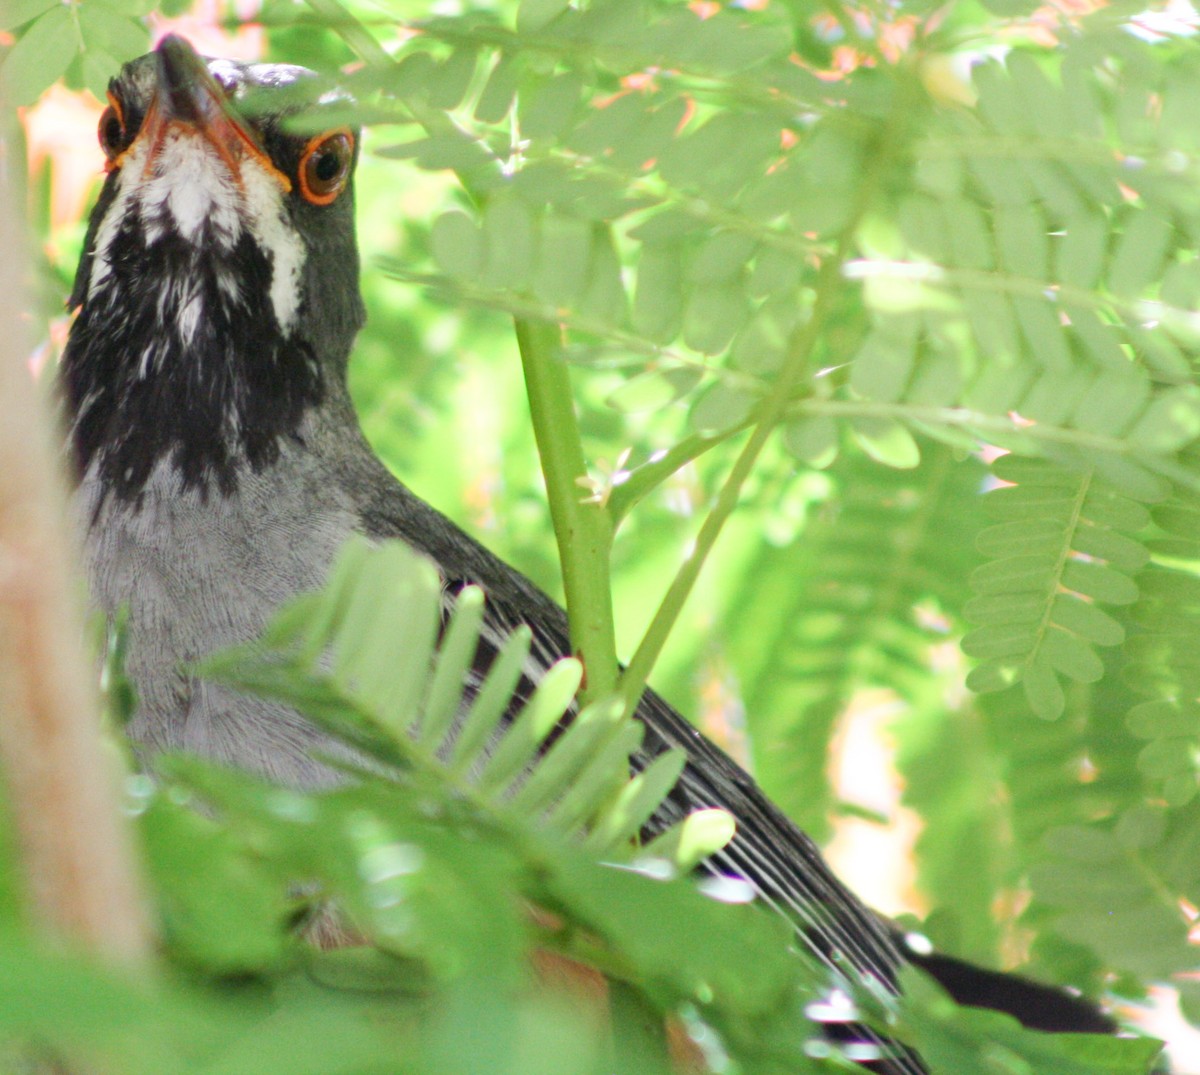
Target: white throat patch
x,y
189,191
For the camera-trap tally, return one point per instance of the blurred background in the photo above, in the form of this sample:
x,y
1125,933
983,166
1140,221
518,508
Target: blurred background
x,y
785,657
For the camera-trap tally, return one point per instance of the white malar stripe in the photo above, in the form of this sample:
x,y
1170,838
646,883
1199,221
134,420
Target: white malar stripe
x,y
101,266
274,232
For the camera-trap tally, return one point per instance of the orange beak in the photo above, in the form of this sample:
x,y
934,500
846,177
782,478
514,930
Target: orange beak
x,y
186,96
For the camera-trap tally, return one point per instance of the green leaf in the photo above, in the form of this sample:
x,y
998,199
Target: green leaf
x,y
654,390
97,67
390,614
447,150
762,345
721,407
1167,757
1087,620
947,1036
500,90
1099,339
1130,478
546,109
609,124
1042,689
1171,421
1120,513
775,272
1043,332
456,656
1160,719
228,917
1071,656
567,757
637,801
1141,827
1023,537
1122,553
534,724
533,15
683,937
511,239
1004,607
1116,398
721,257
593,788
603,299
1099,582
111,32
1000,640
18,12
813,440
924,227
886,442
658,297
883,367
39,57
702,833
458,246
648,141
374,629
713,316
448,85
993,321
970,234
1140,254
1022,239
564,258
482,719
1081,250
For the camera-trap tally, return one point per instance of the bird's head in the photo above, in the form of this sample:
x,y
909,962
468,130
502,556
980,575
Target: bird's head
x,y
218,288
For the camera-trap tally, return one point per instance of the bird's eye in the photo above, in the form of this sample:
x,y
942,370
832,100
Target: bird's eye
x,y
114,139
325,166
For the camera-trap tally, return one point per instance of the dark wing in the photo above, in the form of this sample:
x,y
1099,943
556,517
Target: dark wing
x,y
769,851
781,862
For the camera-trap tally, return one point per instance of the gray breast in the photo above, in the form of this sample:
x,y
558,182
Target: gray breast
x,y
199,573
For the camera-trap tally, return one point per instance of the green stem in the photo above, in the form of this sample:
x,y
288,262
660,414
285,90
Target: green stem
x,y
769,413
583,529
335,15
650,475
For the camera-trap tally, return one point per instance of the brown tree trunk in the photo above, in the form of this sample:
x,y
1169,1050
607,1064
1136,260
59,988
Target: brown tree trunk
x,y
57,775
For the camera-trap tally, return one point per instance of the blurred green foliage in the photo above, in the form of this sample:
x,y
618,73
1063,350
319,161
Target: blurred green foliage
x,y
898,240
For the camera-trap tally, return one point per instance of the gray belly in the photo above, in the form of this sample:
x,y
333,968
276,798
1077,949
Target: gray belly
x,y
199,574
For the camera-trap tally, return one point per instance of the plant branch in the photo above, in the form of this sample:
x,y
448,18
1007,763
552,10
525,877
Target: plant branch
x,y
353,32
649,476
583,529
767,415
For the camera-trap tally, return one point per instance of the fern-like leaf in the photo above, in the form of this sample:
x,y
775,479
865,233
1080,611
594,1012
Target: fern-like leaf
x,y
368,645
1063,553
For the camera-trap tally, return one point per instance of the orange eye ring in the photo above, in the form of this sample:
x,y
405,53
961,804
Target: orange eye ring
x,y
111,132
325,166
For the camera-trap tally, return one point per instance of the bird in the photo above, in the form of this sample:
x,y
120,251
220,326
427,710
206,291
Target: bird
x,y
220,466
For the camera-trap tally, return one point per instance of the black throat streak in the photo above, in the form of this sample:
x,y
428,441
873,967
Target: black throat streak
x,y
178,356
